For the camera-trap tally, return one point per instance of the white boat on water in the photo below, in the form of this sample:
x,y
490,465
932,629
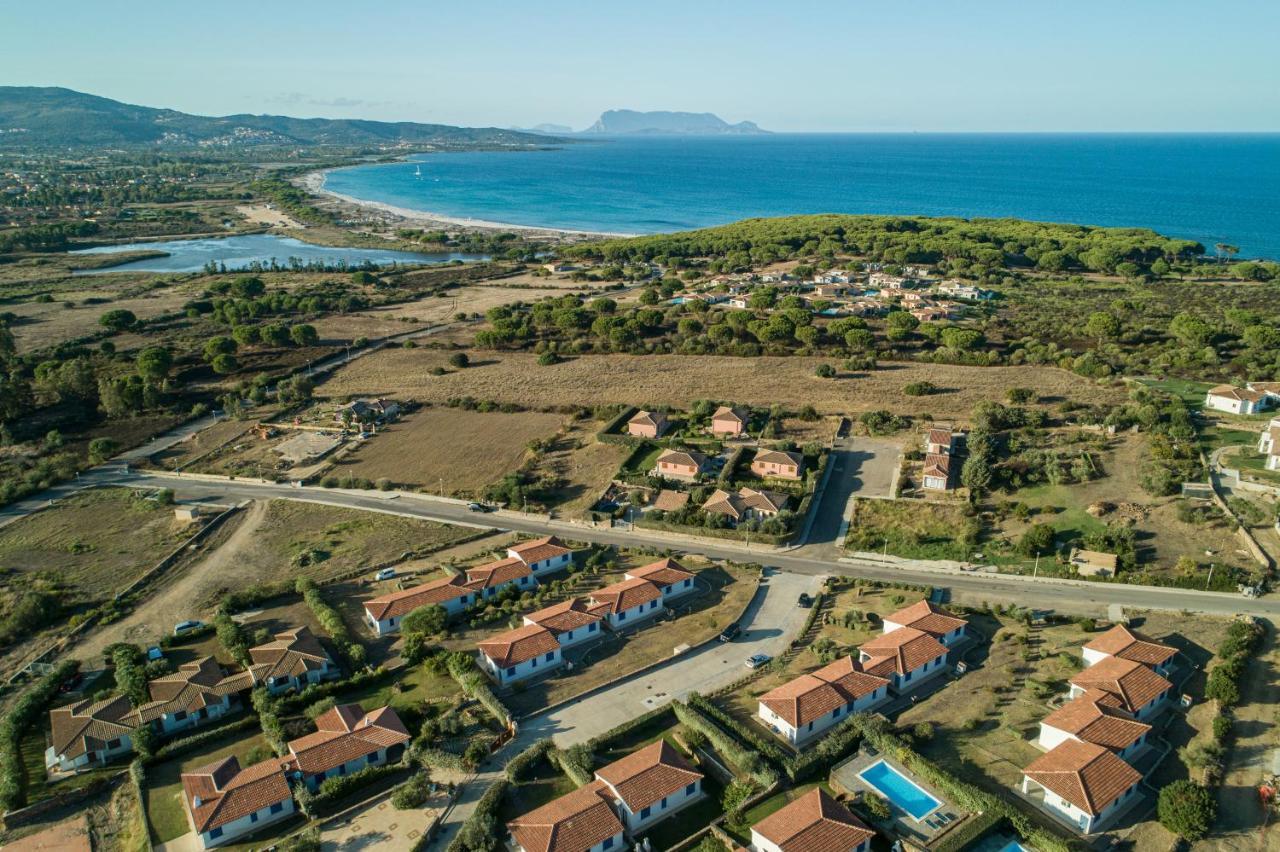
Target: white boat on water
x,y
417,171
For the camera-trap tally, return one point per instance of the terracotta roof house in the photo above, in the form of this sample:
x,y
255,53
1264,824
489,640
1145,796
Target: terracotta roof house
x,y
667,574
746,504
905,656
89,733
650,784
1093,563
1095,717
810,704
580,821
520,654
681,464
936,474
1234,400
628,601
778,464
542,554
385,612
572,621
1083,784
648,424
931,619
489,579
294,660
1124,643
939,441
815,822
728,422
1141,691
225,802
671,501
347,739
198,692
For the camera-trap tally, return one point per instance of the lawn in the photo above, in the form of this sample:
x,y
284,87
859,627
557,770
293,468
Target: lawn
x,y
641,461
1190,392
540,785
166,813
453,449
581,465
1253,464
409,690
912,529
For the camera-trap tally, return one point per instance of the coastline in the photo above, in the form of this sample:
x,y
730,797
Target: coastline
x,y
313,182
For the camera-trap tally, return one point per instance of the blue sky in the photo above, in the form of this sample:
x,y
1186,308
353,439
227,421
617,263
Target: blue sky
x,y
843,65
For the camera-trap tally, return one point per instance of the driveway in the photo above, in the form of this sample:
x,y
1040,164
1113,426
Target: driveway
x,y
859,467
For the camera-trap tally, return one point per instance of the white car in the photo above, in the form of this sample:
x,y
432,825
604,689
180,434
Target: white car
x,y
385,574
755,661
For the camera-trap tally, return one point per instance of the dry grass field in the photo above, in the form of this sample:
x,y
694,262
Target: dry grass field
x,y
586,466
678,380
451,448
43,324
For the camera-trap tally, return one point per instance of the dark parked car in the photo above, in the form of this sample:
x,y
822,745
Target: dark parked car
x,y
805,601
730,633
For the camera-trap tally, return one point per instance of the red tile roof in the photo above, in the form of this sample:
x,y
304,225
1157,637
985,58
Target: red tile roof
x,y
778,457
539,549
517,646
575,822
904,650
923,615
1132,682
648,774
496,574
226,792
1124,643
664,572
562,617
292,654
1094,718
345,733
1086,775
682,458
195,685
815,822
812,696
405,601
88,725
626,594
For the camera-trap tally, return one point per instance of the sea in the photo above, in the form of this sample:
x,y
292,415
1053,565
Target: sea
x,y
1206,187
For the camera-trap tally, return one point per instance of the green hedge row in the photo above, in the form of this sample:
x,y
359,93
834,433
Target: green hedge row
x,y
525,760
611,736
332,622
744,760
480,831
462,667
973,828
334,790
22,714
297,702
177,747
770,750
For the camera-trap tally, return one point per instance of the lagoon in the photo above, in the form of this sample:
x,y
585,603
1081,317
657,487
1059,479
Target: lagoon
x,y
259,251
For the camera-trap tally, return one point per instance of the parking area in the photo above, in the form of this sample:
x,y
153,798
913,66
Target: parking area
x,y
859,467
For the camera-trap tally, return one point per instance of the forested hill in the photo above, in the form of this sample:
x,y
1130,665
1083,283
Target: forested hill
x,y
32,117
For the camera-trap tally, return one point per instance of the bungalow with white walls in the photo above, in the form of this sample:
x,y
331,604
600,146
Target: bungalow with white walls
x,y
519,654
628,602
581,821
667,574
814,822
295,659
650,784
808,705
906,657
542,554
346,740
934,620
385,612
1141,691
1234,400
573,621
87,734
198,693
1082,784
1127,644
225,803
1095,717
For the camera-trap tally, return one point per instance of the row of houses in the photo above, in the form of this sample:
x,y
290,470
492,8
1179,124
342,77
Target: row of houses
x,y
653,783
912,649
1254,398
726,422
688,465
89,733
1086,777
225,801
536,647
524,563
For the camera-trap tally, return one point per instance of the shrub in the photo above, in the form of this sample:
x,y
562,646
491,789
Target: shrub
x,y
413,793
341,786
101,449
268,710
744,760
462,668
547,359
21,714
876,806
459,360
1221,727
436,758
479,833
825,371
1186,809
919,388
577,763
522,762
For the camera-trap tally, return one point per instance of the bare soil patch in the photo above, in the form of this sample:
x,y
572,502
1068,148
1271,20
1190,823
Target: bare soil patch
x,y
678,380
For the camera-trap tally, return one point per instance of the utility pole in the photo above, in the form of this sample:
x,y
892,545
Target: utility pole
x,y
1209,582
1036,570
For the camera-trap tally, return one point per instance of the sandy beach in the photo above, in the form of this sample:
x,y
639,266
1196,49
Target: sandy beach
x,y
313,182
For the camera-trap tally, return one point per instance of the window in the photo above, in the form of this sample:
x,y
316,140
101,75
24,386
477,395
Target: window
x,y
835,714
906,678
691,789
524,581
277,807
608,843
180,715
644,814
653,604
464,599
551,655
253,817
591,628
811,726
392,622
533,664
511,671
666,590
568,635
114,743
622,616
688,583
215,833
342,770
663,804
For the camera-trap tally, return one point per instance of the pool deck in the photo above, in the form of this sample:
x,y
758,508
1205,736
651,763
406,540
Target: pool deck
x,y
847,777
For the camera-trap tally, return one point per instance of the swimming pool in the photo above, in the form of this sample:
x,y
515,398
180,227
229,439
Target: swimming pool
x,y
900,790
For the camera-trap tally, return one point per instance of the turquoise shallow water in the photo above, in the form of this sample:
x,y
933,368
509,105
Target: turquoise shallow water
x,y
1212,188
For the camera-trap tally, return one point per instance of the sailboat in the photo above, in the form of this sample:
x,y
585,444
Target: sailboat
x,y
417,171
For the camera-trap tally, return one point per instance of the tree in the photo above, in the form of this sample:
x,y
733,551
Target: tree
x,y
154,363
101,449
1186,809
976,474
118,320
1191,330
459,360
274,334
426,620
899,325
224,363
247,287
825,371
215,346
1037,540
304,335
246,335
1102,326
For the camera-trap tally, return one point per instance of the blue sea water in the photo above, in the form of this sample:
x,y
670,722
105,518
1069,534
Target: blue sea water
x,y
1211,188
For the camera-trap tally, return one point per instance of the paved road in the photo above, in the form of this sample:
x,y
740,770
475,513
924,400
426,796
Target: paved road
x,y
1069,596
860,467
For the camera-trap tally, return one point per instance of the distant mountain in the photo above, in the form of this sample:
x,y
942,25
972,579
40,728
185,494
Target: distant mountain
x,y
618,122
547,129
58,118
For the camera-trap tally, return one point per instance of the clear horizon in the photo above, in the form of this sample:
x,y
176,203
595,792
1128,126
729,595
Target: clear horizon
x,y
814,67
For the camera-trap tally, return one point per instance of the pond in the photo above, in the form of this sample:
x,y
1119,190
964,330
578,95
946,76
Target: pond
x,y
260,252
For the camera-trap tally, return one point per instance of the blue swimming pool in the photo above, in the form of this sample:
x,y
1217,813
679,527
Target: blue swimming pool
x,y
900,790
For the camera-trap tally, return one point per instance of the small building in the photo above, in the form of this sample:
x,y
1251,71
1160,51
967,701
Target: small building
x,y
1095,717
1093,563
728,422
581,821
367,411
225,803
293,661
648,424
745,505
670,501
1127,644
628,602
684,465
931,619
186,514
936,475
491,578
347,739
939,441
385,612
1234,400
87,734
779,464
520,654
1269,444
542,555
198,693
650,784
1082,784
1141,691
667,574
808,705
815,822
906,657
573,621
